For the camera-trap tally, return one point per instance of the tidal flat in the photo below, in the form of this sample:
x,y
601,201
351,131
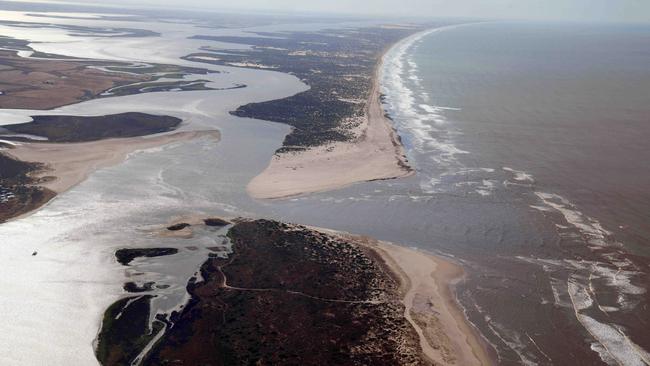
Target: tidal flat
x,y
528,256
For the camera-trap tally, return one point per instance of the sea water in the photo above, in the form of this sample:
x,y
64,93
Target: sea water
x,y
528,142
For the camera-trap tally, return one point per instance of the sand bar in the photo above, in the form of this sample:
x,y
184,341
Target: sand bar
x,y
376,154
68,164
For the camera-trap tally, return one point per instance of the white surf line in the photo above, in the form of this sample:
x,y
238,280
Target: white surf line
x,y
415,117
617,344
538,348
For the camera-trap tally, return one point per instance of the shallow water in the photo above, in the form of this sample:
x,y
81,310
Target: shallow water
x,y
546,125
534,248
520,182
54,300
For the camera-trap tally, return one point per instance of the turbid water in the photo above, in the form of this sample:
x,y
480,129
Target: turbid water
x,y
530,143
517,131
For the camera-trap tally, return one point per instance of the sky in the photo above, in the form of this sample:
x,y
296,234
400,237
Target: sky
x,y
579,10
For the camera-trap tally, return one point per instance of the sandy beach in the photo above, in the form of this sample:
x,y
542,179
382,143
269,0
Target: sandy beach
x,y
376,154
426,284
446,336
68,164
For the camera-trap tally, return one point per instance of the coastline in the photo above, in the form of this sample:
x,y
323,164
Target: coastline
x,y
403,294
426,284
446,336
68,164
377,154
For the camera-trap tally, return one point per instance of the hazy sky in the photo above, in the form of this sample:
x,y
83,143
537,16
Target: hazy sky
x,y
601,10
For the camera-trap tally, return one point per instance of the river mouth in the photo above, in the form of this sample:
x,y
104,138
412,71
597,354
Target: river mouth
x,y
488,217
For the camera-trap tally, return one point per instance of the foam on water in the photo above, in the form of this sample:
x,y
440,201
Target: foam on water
x,y
614,343
53,301
578,292
520,175
592,231
421,123
431,134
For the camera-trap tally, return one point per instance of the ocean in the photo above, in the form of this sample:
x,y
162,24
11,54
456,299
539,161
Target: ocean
x,y
546,127
529,142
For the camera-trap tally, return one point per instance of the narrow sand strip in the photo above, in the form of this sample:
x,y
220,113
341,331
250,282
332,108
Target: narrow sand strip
x,y
71,163
376,154
446,336
426,282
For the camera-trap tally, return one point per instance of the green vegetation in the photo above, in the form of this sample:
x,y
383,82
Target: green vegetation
x,y
125,331
125,256
338,65
80,129
298,297
17,191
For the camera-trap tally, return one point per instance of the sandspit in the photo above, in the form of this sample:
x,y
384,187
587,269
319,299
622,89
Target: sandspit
x,y
376,154
68,164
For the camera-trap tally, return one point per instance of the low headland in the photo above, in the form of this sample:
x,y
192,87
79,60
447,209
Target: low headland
x,y
288,294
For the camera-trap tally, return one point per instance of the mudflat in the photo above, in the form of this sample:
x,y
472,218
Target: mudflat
x,y
28,83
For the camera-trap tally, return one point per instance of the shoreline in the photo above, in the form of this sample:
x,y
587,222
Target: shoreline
x,y
414,294
69,164
426,283
430,304
377,154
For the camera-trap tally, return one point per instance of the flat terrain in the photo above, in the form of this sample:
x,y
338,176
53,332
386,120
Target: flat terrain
x,y
18,192
377,153
68,164
340,133
33,171
292,295
84,129
46,84
338,65
46,81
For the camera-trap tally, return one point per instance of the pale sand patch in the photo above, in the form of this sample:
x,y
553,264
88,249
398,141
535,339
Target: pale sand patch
x,y
446,336
376,154
68,164
426,282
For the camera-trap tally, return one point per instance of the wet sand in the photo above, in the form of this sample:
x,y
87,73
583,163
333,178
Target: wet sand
x,y
426,284
375,155
68,164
